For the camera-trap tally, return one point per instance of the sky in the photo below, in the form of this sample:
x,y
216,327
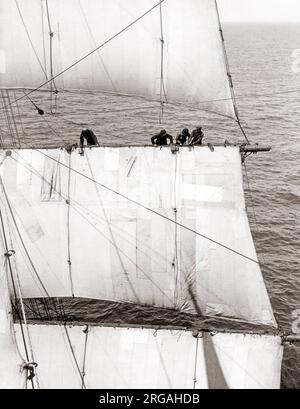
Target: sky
x,y
260,10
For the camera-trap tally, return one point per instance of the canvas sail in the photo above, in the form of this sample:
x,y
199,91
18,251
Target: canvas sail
x,y
190,68
143,358
106,228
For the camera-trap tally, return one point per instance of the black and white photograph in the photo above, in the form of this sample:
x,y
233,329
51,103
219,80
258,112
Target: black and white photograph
x,y
149,197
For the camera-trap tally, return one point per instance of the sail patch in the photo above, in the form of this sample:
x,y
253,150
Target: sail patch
x,y
202,193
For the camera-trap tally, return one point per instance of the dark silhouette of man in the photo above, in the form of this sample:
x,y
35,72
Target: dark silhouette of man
x,y
162,138
89,136
183,137
197,136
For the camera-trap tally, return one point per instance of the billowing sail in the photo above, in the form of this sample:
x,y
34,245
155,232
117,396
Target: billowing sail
x,y
174,52
12,373
139,225
146,358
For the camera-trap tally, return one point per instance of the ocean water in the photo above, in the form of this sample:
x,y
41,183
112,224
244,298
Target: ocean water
x,y
264,67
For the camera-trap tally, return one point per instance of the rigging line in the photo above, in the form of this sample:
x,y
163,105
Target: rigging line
x,y
21,239
29,39
13,120
229,74
153,211
7,120
93,51
195,366
162,92
68,201
20,119
177,269
74,357
51,34
86,331
95,45
7,255
22,306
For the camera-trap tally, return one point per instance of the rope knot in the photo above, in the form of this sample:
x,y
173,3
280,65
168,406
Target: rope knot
x,y
51,34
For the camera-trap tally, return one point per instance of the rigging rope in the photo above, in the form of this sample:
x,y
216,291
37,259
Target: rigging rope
x,y
74,357
162,92
52,82
22,307
229,74
7,255
86,331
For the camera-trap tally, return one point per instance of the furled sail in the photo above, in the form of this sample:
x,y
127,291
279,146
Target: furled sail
x,y
103,226
12,374
143,358
174,53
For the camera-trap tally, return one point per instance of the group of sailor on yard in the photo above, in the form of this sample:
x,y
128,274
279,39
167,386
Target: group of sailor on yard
x,y
184,138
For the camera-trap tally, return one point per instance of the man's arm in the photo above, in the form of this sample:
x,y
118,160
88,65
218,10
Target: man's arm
x,y
153,139
81,140
171,138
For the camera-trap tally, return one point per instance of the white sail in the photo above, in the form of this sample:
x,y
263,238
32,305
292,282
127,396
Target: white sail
x,y
127,247
190,68
12,374
146,358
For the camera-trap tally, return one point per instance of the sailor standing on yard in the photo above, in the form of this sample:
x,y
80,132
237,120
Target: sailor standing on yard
x,y
162,138
197,136
89,136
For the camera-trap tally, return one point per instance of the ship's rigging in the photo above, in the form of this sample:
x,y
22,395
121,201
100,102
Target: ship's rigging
x,y
55,183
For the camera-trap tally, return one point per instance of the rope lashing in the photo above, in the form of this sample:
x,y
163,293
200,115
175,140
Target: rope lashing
x,y
30,368
9,253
